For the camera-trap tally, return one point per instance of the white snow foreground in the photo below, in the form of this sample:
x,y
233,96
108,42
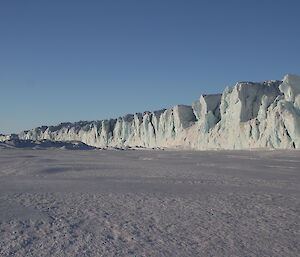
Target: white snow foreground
x,y
247,115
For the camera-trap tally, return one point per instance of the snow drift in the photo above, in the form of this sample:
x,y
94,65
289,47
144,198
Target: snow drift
x,y
247,115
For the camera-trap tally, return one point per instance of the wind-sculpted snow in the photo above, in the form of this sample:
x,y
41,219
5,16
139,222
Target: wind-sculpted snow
x,y
56,202
247,115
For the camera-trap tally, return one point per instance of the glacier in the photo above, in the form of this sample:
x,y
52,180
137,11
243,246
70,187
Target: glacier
x,y
247,115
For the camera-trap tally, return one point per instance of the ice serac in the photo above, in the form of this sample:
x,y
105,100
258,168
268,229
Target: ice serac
x,y
8,137
290,87
247,115
289,108
207,111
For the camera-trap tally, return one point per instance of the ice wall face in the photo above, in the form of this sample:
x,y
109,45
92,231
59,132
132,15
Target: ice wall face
x,y
148,129
247,115
207,111
8,137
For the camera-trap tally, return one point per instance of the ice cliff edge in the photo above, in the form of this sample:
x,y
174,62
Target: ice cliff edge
x,y
247,115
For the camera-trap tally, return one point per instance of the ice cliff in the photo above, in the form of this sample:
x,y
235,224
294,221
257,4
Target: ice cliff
x,y
247,115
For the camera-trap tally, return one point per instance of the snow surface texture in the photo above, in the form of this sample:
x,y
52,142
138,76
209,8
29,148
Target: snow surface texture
x,y
247,115
149,203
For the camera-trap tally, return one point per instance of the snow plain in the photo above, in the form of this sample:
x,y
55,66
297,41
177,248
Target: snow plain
x,y
56,202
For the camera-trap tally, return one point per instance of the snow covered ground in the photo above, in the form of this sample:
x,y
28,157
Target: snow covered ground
x,y
56,202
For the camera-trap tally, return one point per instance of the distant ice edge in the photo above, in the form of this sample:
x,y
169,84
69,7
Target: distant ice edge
x,y
247,115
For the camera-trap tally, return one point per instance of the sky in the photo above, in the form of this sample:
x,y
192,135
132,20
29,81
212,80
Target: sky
x,y
70,60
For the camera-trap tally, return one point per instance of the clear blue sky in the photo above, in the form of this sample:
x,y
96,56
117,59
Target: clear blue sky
x,y
84,60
